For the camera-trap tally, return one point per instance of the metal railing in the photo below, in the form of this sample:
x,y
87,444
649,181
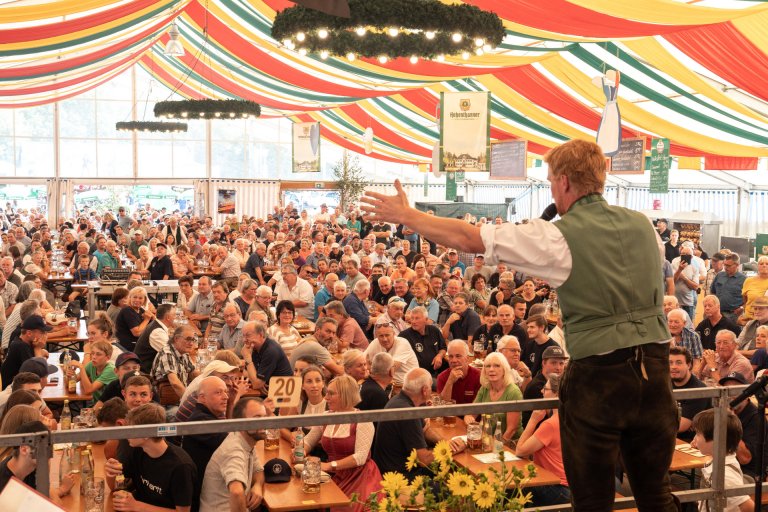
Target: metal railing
x,y
42,442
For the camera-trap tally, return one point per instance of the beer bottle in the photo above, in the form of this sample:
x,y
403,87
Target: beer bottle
x,y
66,417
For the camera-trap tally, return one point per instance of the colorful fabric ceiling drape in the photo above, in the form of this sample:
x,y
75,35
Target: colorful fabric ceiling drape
x,y
691,73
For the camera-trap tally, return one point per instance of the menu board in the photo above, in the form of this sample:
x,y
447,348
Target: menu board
x,y
631,157
509,160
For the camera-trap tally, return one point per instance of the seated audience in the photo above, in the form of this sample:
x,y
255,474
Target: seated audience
x,y
505,326
393,314
173,369
220,291
96,372
155,336
231,335
462,323
684,336
713,322
312,399
315,348
423,296
349,333
747,337
31,343
725,360
427,342
375,390
538,342
226,366
133,319
397,347
127,363
680,362
355,364
509,347
263,357
496,386
283,332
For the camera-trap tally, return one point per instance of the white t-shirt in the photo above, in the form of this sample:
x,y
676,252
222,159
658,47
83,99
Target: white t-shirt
x,y
733,478
401,352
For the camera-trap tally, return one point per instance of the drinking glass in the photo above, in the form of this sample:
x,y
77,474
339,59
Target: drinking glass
x,y
449,421
272,439
310,476
474,436
437,402
94,494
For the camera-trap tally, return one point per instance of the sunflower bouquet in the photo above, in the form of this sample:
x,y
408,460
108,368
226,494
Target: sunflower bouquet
x,y
448,487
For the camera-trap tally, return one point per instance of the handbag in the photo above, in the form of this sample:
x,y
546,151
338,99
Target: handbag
x,y
167,394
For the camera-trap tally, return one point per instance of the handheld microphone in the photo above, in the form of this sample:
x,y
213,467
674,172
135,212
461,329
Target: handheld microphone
x,y
750,390
549,213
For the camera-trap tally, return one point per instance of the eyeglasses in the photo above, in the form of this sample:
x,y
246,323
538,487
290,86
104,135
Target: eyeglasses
x,y
190,339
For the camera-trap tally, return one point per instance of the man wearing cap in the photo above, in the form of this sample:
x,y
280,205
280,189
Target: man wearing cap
x,y
126,363
748,413
661,227
478,267
553,362
746,340
296,290
727,286
394,315
31,343
234,477
32,376
160,268
716,265
725,359
623,334
680,364
454,263
133,247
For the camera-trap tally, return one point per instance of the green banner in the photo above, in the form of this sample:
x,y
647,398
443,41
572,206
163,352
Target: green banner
x,y
761,245
450,186
659,166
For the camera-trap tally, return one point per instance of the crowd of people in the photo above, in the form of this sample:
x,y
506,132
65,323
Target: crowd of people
x,y
399,321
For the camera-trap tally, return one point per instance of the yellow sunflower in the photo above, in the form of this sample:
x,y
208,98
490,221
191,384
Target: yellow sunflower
x,y
442,451
412,461
484,495
417,483
393,483
460,484
443,469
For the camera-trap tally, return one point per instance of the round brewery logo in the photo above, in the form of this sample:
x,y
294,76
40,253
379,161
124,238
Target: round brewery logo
x,y
419,347
277,468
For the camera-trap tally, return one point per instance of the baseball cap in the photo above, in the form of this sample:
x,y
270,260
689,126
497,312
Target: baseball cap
x,y
553,353
452,251
161,244
36,323
733,376
125,357
276,471
334,245
39,366
218,366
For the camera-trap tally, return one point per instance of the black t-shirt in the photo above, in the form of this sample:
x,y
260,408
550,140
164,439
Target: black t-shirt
x,y
689,408
18,352
167,481
532,352
127,319
466,326
382,298
395,440
159,268
271,361
426,347
496,332
707,332
373,396
6,474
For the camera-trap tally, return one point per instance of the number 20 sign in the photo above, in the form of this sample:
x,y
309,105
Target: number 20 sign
x,y
285,391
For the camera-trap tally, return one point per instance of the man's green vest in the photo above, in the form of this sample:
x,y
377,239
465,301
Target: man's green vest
x,y
613,296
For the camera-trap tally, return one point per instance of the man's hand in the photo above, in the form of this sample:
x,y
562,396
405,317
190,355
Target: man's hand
x,y
455,317
710,357
112,468
456,374
457,445
381,207
125,502
254,497
437,362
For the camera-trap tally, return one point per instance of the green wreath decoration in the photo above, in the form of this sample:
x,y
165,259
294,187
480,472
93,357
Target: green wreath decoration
x,y
150,126
383,29
207,109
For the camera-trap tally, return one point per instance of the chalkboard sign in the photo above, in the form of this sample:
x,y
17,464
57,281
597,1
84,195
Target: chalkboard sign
x,y
631,157
509,160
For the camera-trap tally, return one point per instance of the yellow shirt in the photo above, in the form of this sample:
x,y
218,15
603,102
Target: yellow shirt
x,y
753,288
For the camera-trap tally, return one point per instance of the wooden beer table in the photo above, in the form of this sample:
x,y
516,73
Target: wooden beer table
x,y
288,496
74,502
56,390
305,326
70,341
467,460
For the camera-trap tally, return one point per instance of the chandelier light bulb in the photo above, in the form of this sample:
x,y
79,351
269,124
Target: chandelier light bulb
x,y
322,33
302,51
414,59
324,54
393,32
183,114
301,36
202,114
231,114
287,43
441,58
350,56
291,45
218,114
383,59
479,52
479,42
487,47
429,34
465,55
360,31
456,37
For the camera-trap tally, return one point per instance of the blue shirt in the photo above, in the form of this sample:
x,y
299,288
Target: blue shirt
x,y
357,310
322,298
728,290
432,307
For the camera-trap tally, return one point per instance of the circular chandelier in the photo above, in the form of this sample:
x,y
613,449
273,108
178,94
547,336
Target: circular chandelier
x,y
150,126
387,29
207,109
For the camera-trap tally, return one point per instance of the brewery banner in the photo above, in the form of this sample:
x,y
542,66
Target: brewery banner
x,y
465,131
306,147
